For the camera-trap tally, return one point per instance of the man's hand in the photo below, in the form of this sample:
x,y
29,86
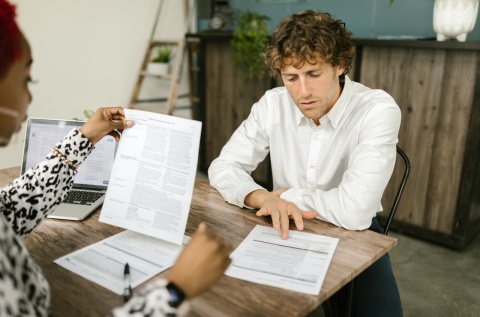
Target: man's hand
x,y
281,211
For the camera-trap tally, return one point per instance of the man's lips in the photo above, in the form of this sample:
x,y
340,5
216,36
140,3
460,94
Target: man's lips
x,y
307,104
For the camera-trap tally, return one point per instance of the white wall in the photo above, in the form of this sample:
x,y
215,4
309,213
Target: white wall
x,y
87,54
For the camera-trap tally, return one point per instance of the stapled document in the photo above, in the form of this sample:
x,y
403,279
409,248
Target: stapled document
x,y
149,193
152,179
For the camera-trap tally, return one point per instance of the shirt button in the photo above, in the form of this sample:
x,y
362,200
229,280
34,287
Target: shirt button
x,y
312,166
317,138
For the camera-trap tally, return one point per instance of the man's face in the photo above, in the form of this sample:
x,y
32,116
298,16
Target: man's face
x,y
15,95
314,87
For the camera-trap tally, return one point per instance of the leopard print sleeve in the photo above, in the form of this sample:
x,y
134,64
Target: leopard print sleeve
x,y
29,199
151,301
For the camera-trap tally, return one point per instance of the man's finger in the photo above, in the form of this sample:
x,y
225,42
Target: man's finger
x,y
297,218
262,212
309,214
285,224
276,220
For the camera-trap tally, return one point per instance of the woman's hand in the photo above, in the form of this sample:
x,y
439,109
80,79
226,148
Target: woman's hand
x,y
105,121
201,263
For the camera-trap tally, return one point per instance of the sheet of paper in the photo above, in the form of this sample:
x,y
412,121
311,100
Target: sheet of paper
x,y
151,185
104,261
298,264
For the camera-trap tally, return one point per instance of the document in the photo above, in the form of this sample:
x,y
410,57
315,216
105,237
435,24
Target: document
x,y
151,184
104,261
298,264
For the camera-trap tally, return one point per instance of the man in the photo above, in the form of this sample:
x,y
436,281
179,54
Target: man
x,y
332,144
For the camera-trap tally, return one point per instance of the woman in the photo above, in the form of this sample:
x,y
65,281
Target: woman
x,y
29,199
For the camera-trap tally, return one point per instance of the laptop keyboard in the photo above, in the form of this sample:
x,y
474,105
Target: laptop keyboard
x,y
82,197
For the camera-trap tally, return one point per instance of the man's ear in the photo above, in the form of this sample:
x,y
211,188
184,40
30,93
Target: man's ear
x,y
340,68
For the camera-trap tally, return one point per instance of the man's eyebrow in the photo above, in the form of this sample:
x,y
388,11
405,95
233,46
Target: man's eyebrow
x,y
319,69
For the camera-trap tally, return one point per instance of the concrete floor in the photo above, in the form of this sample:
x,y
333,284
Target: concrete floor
x,y
437,281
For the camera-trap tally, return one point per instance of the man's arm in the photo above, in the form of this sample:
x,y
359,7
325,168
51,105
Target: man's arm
x,y
230,173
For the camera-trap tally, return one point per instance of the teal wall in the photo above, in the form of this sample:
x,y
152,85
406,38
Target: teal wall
x,y
365,18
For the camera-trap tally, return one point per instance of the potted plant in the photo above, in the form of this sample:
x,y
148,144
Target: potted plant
x,y
160,63
249,42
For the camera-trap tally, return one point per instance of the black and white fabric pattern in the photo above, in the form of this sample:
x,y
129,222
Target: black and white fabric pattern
x,y
24,203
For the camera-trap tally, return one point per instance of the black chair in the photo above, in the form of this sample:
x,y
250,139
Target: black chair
x,y
353,285
406,173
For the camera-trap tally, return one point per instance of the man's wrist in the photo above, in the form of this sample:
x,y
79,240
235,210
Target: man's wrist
x,y
279,192
255,199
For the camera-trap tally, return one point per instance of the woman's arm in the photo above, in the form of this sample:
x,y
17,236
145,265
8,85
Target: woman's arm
x,y
32,197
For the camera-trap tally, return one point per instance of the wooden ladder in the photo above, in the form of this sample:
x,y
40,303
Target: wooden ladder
x,y
177,56
177,52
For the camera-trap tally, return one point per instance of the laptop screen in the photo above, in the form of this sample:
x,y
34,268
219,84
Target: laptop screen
x,y
43,134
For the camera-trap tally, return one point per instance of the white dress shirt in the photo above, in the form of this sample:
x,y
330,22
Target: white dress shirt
x,y
339,169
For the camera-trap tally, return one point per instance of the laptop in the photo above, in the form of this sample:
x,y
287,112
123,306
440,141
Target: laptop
x,y
90,183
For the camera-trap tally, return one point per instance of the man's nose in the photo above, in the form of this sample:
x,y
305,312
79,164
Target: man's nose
x,y
304,89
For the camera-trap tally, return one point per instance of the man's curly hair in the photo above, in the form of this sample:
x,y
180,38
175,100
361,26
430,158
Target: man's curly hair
x,y
305,34
10,37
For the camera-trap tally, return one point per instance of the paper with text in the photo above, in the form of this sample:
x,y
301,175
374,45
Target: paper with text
x,y
104,261
151,185
298,264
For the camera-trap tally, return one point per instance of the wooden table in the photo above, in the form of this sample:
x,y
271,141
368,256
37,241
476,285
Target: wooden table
x,y
73,295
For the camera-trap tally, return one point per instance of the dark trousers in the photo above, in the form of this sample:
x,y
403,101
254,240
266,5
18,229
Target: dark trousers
x,y
375,289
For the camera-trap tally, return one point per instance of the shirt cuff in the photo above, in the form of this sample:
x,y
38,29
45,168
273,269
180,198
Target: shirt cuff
x,y
295,195
243,191
153,299
75,147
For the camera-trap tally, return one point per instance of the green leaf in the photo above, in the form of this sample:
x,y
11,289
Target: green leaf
x,y
162,55
249,43
88,113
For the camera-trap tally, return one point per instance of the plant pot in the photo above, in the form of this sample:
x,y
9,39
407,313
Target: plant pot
x,y
454,18
158,68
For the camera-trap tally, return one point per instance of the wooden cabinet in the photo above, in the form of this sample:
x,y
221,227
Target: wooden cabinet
x,y
226,98
436,85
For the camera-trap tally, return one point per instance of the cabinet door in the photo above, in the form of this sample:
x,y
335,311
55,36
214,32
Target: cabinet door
x,y
434,89
229,98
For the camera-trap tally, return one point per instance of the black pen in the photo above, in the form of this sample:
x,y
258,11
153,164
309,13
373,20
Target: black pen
x,y
127,287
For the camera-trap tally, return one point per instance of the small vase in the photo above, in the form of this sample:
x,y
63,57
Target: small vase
x,y
453,19
158,69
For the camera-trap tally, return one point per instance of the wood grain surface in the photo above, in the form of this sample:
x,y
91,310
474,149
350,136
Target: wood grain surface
x,y
73,295
434,91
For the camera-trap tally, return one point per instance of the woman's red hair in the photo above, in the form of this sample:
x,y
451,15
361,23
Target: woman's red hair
x,y
10,36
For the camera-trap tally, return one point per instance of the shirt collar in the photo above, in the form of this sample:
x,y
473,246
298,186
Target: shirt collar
x,y
335,113
299,117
